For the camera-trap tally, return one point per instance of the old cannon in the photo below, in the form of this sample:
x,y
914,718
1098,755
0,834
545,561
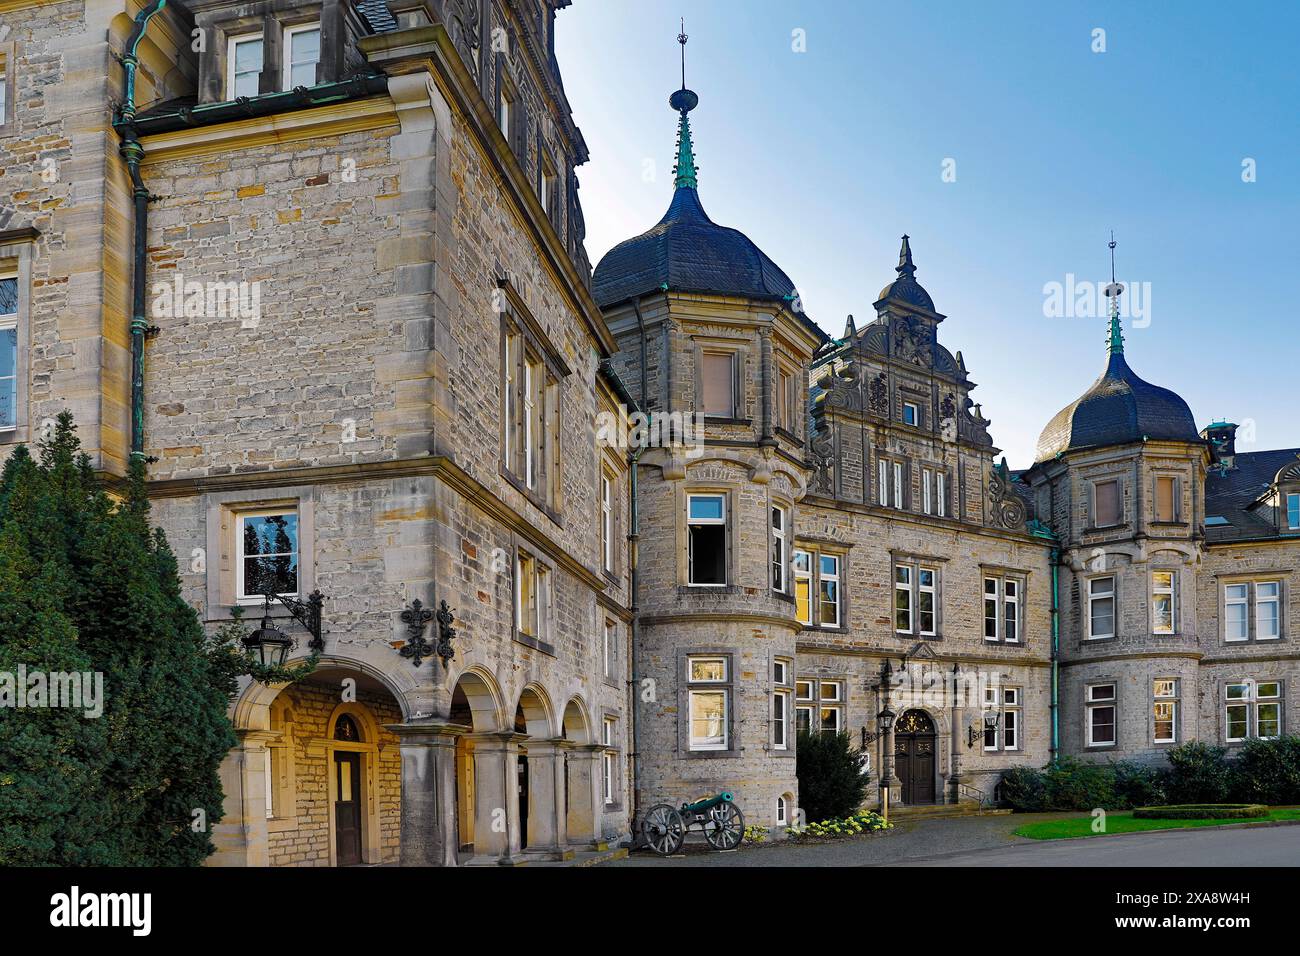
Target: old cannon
x,y
664,829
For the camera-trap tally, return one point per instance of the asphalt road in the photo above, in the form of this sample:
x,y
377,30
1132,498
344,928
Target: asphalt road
x,y
989,841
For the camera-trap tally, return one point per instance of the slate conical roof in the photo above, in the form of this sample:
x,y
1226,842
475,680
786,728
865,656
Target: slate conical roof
x,y
1119,407
686,251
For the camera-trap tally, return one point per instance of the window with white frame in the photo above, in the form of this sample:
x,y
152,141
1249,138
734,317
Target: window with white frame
x,y
780,556
803,586
916,598
828,590
1240,598
934,492
1002,608
927,490
546,184
1006,703
1101,607
782,811
268,554
898,484
903,604
780,705
609,769
530,402
301,55
243,65
708,702
4,87
608,647
1164,601
607,520
882,482
805,701
817,592
1164,710
819,705
706,532
8,344
505,106
1099,723
911,413
1252,709
785,400
532,597
1293,511
941,493
891,481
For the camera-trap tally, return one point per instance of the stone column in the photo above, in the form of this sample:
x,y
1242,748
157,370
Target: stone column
x,y
957,730
496,799
241,837
547,823
428,792
583,806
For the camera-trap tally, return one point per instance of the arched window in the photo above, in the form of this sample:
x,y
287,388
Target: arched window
x,y
345,728
782,810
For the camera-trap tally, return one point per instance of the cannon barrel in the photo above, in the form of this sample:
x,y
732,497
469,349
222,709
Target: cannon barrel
x,y
708,802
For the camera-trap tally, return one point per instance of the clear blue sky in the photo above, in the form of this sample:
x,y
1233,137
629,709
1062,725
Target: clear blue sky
x,y
826,157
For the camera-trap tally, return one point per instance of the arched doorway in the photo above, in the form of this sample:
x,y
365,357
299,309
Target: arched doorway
x,y
474,704
348,795
914,756
581,775
535,770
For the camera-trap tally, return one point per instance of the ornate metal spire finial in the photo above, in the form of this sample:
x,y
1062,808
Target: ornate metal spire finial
x,y
683,101
682,38
905,263
1115,341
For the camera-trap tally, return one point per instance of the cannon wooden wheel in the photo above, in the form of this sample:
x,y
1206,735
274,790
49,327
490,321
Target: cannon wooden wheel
x,y
663,829
725,827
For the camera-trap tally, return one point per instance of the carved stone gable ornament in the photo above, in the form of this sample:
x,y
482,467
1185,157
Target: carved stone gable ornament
x,y
1008,508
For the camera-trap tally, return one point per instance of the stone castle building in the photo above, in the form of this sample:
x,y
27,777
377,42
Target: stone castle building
x,y
322,265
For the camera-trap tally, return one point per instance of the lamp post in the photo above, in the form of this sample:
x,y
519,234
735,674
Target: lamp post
x,y
974,732
885,728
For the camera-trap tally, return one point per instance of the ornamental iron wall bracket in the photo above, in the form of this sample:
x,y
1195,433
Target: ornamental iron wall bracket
x,y
446,633
307,613
416,617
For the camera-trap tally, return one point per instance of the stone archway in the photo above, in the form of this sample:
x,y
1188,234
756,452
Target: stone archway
x,y
540,779
581,754
480,766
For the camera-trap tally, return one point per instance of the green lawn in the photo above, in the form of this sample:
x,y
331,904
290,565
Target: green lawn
x,y
1081,826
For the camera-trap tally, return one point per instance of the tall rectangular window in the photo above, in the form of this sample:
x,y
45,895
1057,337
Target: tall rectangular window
x,y
1236,612
916,598
301,55
1252,709
898,484
243,65
1166,500
927,492
941,493
828,576
609,760
1164,713
805,698
1005,702
1293,511
882,483
718,384
1106,497
911,413
1101,608
268,558
1002,608
831,711
785,400
505,106
1099,701
926,603
509,388
992,620
1164,594
903,599
708,705
607,648
803,586
527,596
1267,610
1252,610
780,707
780,559
8,343
707,539
606,521
1011,610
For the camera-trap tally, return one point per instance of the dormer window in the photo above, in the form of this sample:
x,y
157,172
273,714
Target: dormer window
x,y
1293,511
244,62
301,55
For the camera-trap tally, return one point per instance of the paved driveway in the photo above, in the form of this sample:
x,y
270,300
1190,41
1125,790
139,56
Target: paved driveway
x,y
989,841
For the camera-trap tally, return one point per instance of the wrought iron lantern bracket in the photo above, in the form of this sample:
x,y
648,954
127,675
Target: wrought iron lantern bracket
x,y
307,613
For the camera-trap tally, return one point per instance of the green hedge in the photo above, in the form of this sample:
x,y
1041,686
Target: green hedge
x,y
1203,811
1261,771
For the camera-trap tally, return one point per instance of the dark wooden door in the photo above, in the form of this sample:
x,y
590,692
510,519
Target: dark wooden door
x,y
914,745
347,808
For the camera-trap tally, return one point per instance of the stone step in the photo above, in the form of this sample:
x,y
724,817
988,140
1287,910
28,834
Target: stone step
x,y
966,808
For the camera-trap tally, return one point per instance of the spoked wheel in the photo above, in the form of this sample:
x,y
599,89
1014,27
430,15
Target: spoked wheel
x,y
663,829
726,827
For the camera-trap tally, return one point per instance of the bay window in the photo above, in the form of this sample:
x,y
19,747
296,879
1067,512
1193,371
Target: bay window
x,y
1164,601
817,591
1099,723
718,384
708,702
1101,608
706,532
780,557
1164,710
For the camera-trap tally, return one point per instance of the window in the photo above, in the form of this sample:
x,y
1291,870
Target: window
x,y
819,705
898,484
781,670
4,88
882,483
531,417
1100,725
509,394
707,539
8,344
1005,702
268,558
803,586
607,521
609,761
903,599
505,106
828,578
1106,502
301,55
832,706
1002,604
532,597
1164,713
911,413
1293,512
780,568
607,648
1164,595
941,493
891,474
1166,498
708,706
718,384
925,592
546,184
803,711
927,494
782,811
1252,709
1101,608
785,400
244,66
1265,624
1267,619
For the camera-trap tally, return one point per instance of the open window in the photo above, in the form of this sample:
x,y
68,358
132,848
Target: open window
x,y
706,530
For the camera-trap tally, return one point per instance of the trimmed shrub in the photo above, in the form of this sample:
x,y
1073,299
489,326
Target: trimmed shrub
x,y
1138,785
1199,773
1025,789
1212,811
1268,771
832,782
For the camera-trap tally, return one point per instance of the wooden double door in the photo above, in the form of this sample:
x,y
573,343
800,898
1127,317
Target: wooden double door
x,y
914,756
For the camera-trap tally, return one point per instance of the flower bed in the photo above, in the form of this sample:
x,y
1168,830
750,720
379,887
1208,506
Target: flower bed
x,y
1203,811
859,823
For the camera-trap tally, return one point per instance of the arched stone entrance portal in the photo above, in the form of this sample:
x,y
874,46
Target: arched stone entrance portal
x,y
914,757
